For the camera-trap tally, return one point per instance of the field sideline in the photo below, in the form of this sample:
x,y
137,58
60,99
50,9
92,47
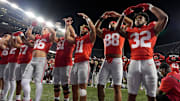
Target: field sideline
x,y
48,94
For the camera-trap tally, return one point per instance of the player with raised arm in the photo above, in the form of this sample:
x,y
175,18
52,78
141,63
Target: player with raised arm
x,y
4,50
24,58
10,70
83,47
142,39
112,65
38,63
63,65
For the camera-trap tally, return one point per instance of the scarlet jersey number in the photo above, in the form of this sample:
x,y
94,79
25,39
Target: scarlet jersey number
x,y
79,47
23,49
5,52
60,45
140,41
112,39
39,44
13,51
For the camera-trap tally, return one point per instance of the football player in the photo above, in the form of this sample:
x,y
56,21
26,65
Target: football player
x,y
112,65
38,64
83,47
63,65
142,38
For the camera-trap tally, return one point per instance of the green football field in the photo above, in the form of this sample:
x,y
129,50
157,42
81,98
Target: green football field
x,y
91,96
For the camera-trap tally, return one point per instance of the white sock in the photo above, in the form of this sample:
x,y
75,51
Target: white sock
x,y
2,91
26,99
57,98
12,89
6,89
18,97
39,89
66,99
26,89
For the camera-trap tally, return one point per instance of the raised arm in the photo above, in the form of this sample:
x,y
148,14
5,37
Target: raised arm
x,y
122,20
69,33
53,34
28,42
29,33
5,41
160,14
71,29
91,26
119,28
99,31
125,20
16,41
2,43
162,19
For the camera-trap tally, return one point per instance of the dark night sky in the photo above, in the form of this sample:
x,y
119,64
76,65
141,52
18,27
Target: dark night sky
x,y
55,10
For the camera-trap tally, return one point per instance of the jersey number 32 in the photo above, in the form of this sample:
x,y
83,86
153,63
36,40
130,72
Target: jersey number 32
x,y
140,41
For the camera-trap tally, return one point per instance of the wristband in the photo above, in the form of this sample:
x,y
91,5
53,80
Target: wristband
x,y
88,19
22,34
13,37
150,7
123,14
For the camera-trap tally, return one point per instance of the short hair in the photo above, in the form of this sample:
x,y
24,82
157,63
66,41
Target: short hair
x,y
143,14
164,65
85,26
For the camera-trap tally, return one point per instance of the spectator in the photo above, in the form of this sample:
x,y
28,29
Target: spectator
x,y
170,85
92,68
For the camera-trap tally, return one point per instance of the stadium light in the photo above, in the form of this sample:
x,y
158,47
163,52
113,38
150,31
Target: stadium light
x,y
14,6
49,24
40,19
3,0
30,14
